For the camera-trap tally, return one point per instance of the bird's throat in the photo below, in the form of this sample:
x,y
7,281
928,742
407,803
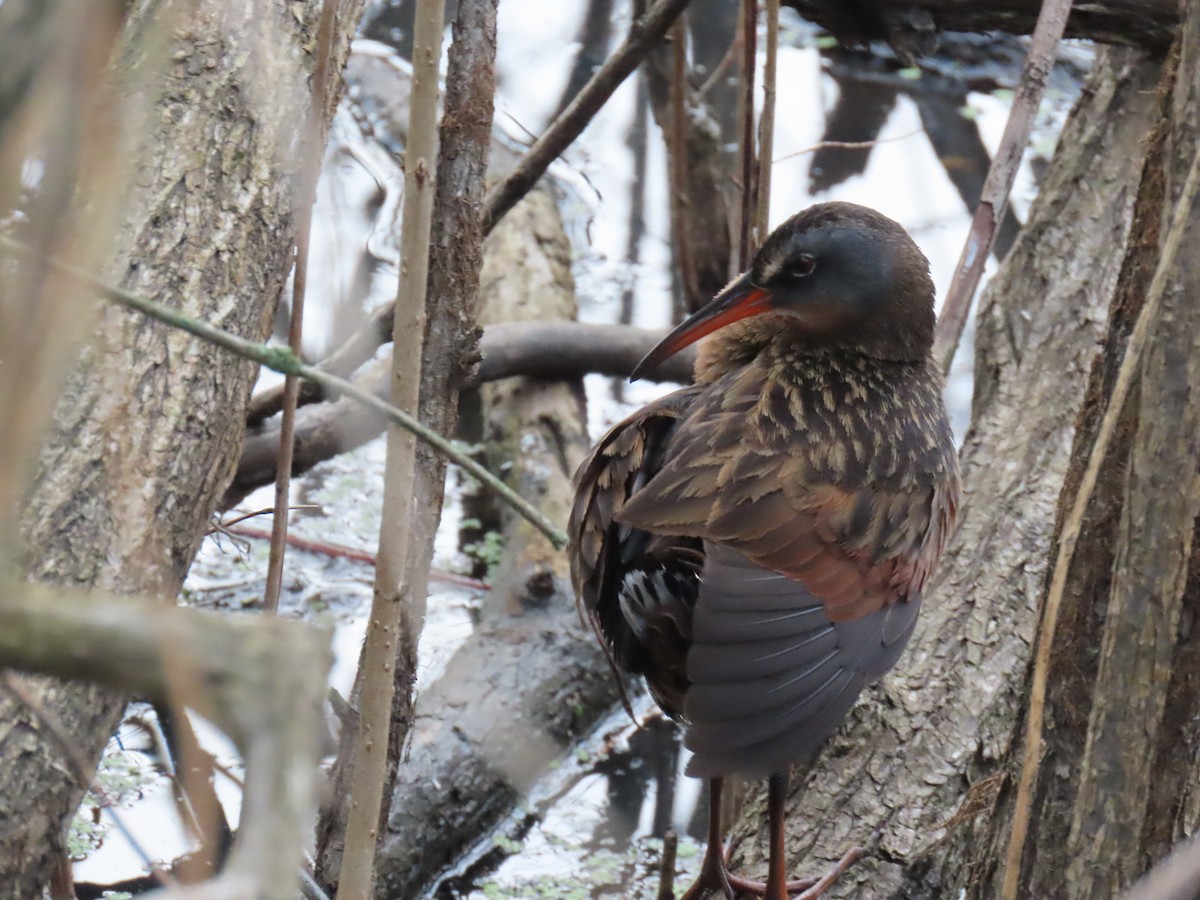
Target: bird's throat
x,y
738,344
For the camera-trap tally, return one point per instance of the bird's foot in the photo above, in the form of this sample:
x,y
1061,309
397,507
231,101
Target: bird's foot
x,y
802,889
714,876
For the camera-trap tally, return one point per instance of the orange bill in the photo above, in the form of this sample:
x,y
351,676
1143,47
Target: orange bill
x,y
741,298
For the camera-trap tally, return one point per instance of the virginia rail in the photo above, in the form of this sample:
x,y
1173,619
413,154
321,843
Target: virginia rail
x,y
755,545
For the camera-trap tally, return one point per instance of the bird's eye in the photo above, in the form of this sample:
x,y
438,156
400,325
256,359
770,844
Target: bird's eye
x,y
804,265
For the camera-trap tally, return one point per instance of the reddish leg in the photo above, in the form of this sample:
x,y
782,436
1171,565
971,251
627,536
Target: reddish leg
x,y
776,888
715,874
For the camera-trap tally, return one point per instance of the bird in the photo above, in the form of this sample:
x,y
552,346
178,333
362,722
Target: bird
x,y
755,545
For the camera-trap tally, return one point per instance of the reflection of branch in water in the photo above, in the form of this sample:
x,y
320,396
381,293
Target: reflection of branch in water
x,y
960,150
851,130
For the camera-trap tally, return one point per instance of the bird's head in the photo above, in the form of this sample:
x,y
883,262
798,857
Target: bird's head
x,y
837,274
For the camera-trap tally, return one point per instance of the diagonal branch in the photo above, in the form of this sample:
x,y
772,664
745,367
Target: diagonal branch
x,y
1147,320
281,359
1003,172
644,36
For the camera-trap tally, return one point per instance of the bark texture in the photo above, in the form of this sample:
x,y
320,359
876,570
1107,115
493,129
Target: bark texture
x,y
920,761
147,432
1118,767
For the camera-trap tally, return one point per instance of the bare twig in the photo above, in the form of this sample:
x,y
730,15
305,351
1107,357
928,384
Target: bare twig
x,y
677,165
721,68
1052,20
357,349
644,35
291,384
746,154
340,551
388,615
190,769
848,145
666,866
1073,524
766,124
265,511
281,359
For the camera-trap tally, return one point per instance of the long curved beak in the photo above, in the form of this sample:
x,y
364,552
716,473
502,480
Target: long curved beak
x,y
739,299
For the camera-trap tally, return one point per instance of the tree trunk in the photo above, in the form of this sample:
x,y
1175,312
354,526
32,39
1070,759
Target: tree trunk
x,y
147,432
923,756
1117,785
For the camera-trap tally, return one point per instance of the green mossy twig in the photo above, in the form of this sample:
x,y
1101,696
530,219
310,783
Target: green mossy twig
x,y
283,360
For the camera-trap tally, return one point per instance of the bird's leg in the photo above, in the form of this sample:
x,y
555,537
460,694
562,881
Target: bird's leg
x,y
777,886
714,876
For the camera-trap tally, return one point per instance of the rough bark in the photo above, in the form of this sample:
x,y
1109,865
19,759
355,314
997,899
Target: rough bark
x,y
148,429
1118,767
535,430
1145,23
917,763
530,679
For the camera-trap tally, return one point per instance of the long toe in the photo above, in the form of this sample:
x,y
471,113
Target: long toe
x,y
801,889
849,858
714,877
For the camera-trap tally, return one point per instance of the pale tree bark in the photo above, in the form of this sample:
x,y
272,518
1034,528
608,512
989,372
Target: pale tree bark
x,y
913,774
147,432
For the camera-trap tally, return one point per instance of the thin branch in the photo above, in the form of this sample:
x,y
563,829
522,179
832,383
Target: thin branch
x,y
677,165
341,551
1052,20
766,123
291,383
746,154
388,614
1073,525
847,145
281,359
227,525
666,866
644,35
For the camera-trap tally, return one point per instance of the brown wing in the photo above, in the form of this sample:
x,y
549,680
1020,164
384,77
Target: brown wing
x,y
636,588
851,499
